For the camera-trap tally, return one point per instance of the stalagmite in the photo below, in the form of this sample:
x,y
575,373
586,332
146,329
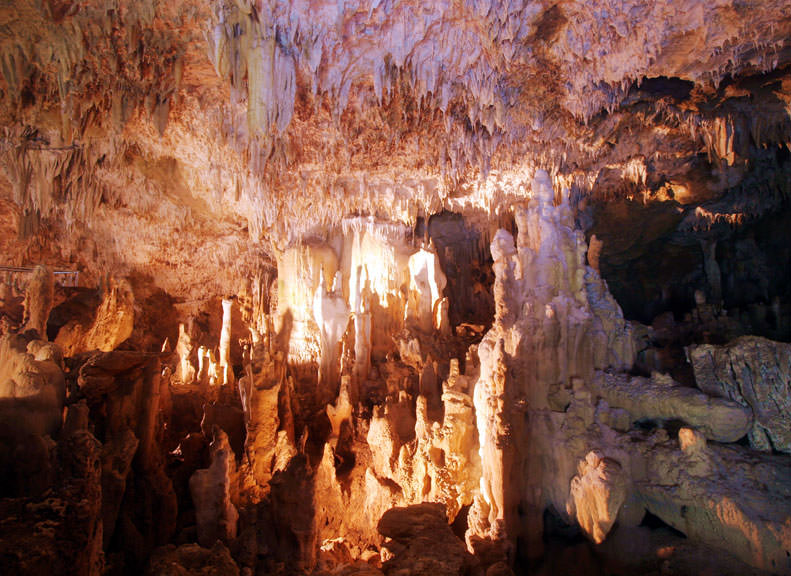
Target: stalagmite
x,y
39,298
226,373
427,283
362,344
332,315
341,411
211,493
185,372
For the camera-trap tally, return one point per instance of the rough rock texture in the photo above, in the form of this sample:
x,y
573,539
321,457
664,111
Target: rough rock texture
x,y
725,497
39,300
32,387
554,321
754,372
192,560
158,142
308,507
597,493
122,390
62,533
112,325
440,463
422,543
262,386
660,398
444,161
533,437
211,493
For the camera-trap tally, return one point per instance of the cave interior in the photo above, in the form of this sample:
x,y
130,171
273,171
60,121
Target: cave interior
x,y
388,287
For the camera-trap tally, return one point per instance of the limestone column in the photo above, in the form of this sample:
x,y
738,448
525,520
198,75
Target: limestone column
x,y
225,343
39,298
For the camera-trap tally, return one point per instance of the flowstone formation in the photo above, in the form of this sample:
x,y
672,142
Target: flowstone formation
x,y
555,324
550,393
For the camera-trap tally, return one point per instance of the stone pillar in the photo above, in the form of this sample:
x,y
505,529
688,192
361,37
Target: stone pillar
x,y
39,297
362,345
226,374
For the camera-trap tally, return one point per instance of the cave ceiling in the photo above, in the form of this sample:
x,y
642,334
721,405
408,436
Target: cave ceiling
x,y
190,141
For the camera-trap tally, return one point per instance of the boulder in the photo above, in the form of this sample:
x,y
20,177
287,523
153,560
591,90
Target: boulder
x,y
192,560
756,373
423,543
32,388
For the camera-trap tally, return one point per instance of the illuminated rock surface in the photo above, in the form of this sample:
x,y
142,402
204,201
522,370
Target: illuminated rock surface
x,y
389,287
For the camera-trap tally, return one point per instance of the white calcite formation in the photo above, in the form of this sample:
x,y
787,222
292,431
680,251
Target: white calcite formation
x,y
225,372
427,283
440,463
331,314
185,372
553,322
661,399
381,284
544,404
300,272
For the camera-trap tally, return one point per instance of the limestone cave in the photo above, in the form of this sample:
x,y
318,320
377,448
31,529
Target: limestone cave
x,y
395,287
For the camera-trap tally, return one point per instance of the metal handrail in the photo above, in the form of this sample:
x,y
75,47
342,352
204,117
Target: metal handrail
x,y
66,277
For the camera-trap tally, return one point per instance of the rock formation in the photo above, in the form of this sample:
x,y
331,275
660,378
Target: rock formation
x,y
660,398
39,300
370,287
226,373
597,493
421,542
756,373
191,559
32,386
216,515
112,324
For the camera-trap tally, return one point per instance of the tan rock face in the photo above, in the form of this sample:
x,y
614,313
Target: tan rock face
x,y
112,325
32,387
422,543
597,493
39,300
211,493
